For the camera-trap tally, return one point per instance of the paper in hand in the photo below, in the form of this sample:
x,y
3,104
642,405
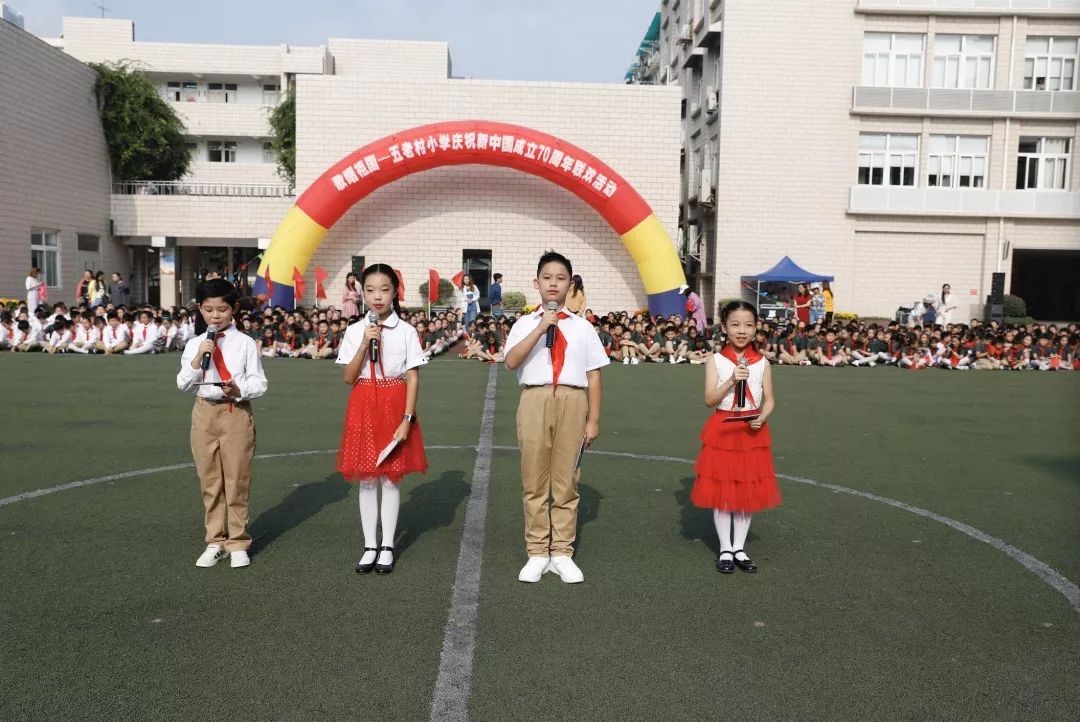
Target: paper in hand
x,y
387,451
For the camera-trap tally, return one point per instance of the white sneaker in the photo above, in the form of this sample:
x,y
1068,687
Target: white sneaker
x,y
213,554
626,361
566,569
635,361
534,569
239,559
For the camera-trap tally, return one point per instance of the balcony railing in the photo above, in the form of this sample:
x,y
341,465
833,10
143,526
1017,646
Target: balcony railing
x,y
976,6
185,188
964,202
217,97
950,101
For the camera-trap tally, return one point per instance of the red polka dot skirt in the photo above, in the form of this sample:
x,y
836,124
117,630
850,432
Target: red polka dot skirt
x,y
375,410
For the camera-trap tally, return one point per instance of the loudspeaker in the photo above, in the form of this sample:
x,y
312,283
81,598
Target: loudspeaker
x,y
997,288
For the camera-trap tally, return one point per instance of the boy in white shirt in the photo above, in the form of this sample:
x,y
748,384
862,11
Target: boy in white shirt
x,y
7,332
60,336
145,335
114,337
27,338
222,426
558,416
86,336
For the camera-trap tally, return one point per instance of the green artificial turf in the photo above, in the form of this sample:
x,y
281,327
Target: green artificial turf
x,y
861,610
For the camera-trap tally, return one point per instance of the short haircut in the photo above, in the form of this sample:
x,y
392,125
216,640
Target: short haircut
x,y
554,257
498,276
217,288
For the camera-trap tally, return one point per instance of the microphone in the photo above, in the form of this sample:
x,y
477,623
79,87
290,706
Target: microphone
x,y
373,349
551,306
740,388
211,334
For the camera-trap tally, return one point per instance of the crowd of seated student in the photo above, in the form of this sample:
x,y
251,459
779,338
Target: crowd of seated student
x,y
312,333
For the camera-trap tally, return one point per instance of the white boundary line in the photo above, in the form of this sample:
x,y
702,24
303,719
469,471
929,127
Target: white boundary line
x,y
1048,574
450,699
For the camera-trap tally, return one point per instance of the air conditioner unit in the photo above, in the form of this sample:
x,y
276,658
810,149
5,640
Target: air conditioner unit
x,y
686,34
712,100
705,194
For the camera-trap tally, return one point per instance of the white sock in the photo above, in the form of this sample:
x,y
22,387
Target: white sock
x,y
369,516
722,520
741,522
391,502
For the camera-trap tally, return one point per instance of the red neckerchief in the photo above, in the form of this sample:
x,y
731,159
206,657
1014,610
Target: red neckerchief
x,y
558,351
752,356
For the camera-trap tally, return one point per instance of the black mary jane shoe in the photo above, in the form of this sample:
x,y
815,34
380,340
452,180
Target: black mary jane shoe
x,y
725,565
366,568
745,564
385,568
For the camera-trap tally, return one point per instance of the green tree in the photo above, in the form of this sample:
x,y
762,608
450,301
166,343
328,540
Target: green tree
x,y
144,135
283,136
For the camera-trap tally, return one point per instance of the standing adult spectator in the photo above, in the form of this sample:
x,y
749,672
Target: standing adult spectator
x,y
826,291
118,291
802,304
576,302
695,308
495,296
945,306
95,290
349,296
82,287
817,305
33,290
472,299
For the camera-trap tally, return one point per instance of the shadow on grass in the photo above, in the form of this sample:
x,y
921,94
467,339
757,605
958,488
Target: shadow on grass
x,y
1065,467
588,510
302,503
430,505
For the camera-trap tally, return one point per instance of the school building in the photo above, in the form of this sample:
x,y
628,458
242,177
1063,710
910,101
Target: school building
x,y
895,144
349,93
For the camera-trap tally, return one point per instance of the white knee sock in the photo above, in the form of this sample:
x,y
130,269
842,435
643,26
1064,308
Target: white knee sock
x,y
722,520
391,502
741,522
369,517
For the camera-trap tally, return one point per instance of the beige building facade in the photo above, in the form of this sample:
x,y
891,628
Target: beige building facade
x,y
895,144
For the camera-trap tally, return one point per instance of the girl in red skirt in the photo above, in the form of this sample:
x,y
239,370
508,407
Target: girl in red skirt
x,y
734,471
382,407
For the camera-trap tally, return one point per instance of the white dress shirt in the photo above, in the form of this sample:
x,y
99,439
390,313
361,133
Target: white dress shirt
x,y
755,385
113,337
399,348
242,359
584,352
145,335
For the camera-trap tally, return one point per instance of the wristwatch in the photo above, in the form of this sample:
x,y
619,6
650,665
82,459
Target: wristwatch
x,y
411,418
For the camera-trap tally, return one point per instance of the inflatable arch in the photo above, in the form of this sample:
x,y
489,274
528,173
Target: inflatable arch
x,y
474,142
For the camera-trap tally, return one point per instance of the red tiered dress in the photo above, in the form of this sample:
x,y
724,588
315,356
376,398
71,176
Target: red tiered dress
x,y
734,470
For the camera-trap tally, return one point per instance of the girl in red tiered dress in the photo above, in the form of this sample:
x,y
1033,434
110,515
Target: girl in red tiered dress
x,y
734,471
382,407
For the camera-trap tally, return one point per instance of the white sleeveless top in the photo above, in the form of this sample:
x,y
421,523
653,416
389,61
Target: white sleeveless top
x,y
754,385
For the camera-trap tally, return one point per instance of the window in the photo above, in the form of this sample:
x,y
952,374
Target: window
x,y
192,148
271,94
957,161
45,254
221,151
893,59
269,154
888,159
89,243
221,93
963,61
1050,63
186,91
1043,164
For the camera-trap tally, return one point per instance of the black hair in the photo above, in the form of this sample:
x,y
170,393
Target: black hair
x,y
731,306
554,257
579,284
388,271
217,288
23,325
497,277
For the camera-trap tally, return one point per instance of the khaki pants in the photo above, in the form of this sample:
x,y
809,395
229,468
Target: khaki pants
x,y
550,427
223,444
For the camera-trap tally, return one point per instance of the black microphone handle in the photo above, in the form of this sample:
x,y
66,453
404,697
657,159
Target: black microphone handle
x,y
550,336
373,351
206,356
740,394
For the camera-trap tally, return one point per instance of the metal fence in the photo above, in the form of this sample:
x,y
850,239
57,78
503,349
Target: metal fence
x,y
185,188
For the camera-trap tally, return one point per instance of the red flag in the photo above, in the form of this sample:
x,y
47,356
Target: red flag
x,y
400,286
269,283
298,284
458,278
320,277
433,285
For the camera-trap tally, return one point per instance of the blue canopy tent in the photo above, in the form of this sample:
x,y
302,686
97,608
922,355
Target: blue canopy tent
x,y
786,271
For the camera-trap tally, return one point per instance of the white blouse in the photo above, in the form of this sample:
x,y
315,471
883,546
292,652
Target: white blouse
x,y
399,348
755,385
